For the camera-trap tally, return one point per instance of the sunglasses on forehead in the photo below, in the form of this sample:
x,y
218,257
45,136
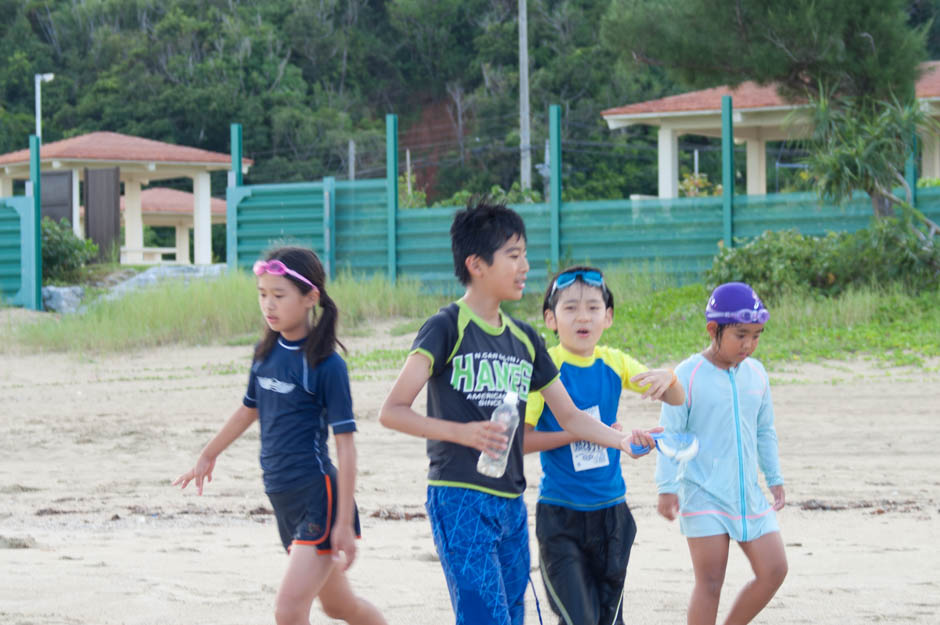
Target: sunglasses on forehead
x,y
277,268
588,276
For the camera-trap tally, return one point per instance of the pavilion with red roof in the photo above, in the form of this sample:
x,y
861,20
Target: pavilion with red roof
x,y
759,115
141,161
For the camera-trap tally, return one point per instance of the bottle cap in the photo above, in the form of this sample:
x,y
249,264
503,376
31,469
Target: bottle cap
x,y
511,398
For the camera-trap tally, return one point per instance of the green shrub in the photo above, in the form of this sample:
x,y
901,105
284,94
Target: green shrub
x,y
887,252
773,263
63,253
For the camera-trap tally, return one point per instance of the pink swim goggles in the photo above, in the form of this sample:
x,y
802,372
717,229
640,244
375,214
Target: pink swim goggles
x,y
277,268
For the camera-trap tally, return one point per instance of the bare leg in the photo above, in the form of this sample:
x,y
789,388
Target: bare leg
x,y
709,562
306,574
340,602
769,562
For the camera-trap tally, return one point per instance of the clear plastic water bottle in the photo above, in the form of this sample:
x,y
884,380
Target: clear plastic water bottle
x,y
506,413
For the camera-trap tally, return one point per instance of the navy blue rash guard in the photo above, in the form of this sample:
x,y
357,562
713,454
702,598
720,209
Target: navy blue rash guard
x,y
295,404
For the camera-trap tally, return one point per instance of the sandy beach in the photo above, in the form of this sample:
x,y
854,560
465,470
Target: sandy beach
x,y
91,532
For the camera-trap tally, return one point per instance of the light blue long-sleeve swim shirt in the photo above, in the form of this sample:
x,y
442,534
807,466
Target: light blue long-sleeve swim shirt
x,y
731,413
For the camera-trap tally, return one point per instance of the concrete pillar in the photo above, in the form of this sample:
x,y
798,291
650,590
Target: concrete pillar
x,y
6,186
202,219
76,205
182,244
930,160
756,165
668,163
133,223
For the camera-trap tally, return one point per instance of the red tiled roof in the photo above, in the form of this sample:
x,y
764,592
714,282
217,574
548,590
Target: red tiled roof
x,y
163,200
113,146
749,95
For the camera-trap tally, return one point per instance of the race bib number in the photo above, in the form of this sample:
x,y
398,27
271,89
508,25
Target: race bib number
x,y
587,455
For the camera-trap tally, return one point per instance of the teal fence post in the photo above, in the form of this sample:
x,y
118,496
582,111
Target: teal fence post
x,y
231,201
236,141
910,171
391,185
35,297
329,225
727,171
554,133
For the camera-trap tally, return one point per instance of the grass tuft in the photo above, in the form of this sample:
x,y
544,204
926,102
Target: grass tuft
x,y
656,323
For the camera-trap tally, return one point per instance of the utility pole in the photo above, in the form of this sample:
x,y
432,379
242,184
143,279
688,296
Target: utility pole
x,y
38,80
525,152
351,160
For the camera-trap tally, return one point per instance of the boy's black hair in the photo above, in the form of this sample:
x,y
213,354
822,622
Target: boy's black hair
x,y
482,228
322,340
551,299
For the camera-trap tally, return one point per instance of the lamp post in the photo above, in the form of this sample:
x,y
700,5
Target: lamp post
x,y
40,78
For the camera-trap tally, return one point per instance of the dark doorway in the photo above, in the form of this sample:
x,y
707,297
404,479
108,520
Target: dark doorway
x,y
103,210
57,196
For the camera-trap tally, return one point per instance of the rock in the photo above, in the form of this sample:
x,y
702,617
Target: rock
x,y
62,299
159,273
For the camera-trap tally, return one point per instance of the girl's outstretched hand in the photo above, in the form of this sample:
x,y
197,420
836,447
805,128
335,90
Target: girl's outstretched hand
x,y
640,438
668,505
484,435
202,471
659,381
343,542
780,497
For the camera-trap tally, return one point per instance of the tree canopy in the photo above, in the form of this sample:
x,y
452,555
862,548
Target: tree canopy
x,y
304,77
856,48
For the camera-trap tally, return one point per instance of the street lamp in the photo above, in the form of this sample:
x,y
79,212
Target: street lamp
x,y
40,78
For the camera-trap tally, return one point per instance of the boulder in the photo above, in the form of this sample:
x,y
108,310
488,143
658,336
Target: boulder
x,y
62,299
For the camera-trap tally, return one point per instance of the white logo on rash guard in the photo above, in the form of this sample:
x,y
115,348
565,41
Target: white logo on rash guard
x,y
270,384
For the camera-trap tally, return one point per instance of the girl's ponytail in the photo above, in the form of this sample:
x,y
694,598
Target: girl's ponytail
x,y
323,340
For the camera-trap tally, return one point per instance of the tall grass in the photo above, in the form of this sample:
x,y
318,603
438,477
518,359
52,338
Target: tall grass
x,y
194,313
204,312
658,324
654,322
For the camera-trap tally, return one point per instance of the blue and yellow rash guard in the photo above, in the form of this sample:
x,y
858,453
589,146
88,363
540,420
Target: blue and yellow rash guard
x,y
731,413
583,475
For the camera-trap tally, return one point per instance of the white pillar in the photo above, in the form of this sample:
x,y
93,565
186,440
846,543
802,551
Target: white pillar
x,y
6,186
756,165
182,244
668,163
133,223
930,161
76,205
202,219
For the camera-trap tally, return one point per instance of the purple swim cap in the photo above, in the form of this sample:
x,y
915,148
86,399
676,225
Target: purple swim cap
x,y
735,302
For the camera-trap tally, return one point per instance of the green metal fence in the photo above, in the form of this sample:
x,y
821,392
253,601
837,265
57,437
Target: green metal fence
x,y
262,215
356,226
18,277
361,226
21,242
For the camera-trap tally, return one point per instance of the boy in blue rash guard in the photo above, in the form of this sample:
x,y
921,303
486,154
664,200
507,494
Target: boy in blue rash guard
x,y
716,494
584,527
297,389
470,354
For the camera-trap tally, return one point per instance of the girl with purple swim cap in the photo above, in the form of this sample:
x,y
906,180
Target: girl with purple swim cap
x,y
716,494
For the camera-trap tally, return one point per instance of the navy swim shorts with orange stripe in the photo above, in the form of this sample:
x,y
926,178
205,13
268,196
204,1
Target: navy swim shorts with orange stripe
x,y
305,515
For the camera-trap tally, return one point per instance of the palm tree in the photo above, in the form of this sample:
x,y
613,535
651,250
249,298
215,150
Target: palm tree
x,y
860,144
